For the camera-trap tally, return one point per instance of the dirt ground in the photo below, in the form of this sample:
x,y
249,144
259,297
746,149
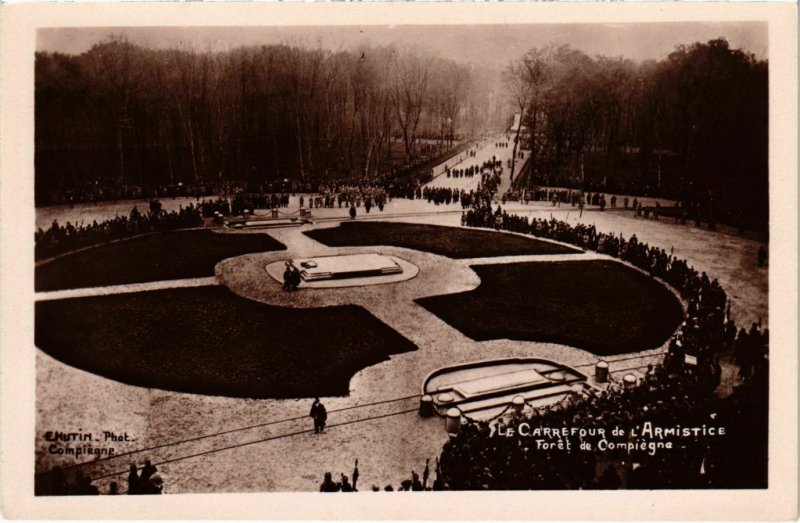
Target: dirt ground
x,y
269,444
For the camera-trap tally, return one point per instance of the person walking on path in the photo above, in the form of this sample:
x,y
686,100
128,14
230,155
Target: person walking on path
x,y
319,414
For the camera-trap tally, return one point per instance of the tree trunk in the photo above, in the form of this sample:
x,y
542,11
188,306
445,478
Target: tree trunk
x,y
120,155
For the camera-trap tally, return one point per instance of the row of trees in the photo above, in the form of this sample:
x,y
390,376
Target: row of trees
x,y
692,126
123,114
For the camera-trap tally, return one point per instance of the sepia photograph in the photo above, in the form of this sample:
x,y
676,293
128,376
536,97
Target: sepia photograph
x,y
380,257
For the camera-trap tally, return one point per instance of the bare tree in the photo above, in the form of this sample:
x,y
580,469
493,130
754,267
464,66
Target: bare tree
x,y
525,80
410,81
117,83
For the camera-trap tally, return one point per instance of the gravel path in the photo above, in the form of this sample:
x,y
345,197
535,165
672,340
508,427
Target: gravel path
x,y
125,289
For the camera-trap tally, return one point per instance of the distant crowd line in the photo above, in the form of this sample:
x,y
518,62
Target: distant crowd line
x,y
58,239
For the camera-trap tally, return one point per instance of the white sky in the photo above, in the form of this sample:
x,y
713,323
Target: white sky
x,y
490,46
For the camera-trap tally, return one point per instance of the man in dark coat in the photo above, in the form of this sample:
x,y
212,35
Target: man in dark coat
x,y
346,486
319,414
295,278
147,471
287,277
328,485
133,480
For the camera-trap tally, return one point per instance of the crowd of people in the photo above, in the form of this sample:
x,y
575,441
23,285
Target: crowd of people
x,y
95,192
476,459
249,201
413,483
442,195
488,166
58,239
680,390
609,184
333,194
234,198
558,196
148,481
60,482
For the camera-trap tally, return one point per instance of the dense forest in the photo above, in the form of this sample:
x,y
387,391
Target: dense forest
x,y
123,114
693,126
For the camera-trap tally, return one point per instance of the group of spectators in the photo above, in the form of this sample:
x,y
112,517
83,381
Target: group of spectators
x,y
58,239
57,482
610,184
414,483
146,482
488,166
578,198
681,391
476,459
95,192
441,195
249,201
348,195
679,210
401,181
446,196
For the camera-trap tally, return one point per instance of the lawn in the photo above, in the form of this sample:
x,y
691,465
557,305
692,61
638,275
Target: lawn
x,y
603,307
207,340
453,242
163,256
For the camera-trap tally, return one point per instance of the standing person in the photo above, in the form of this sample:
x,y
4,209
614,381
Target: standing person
x,y
416,484
133,480
355,477
147,472
352,211
287,277
346,486
295,278
319,414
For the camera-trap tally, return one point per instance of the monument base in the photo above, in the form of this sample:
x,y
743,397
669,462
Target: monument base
x,y
351,270
345,266
485,389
